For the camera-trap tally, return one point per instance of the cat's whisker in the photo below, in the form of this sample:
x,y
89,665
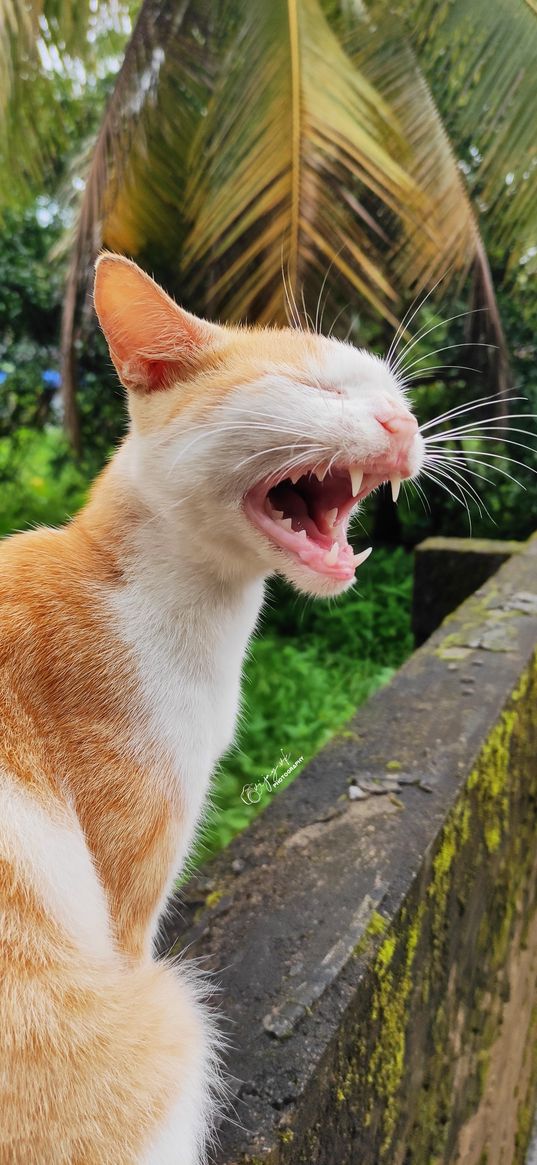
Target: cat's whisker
x,y
406,322
456,477
338,317
305,451
461,464
421,335
205,432
292,297
458,472
476,461
306,315
421,374
503,457
402,370
484,437
319,322
414,484
491,424
292,319
456,497
461,409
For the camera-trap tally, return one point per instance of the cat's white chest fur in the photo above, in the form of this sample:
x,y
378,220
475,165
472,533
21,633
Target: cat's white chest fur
x,y
188,659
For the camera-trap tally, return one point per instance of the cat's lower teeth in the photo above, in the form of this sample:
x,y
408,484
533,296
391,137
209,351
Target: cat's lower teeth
x,y
332,555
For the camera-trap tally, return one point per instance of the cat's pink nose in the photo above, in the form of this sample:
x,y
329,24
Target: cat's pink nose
x,y
396,418
402,426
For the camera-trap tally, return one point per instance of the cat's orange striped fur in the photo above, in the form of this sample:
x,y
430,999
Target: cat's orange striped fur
x,y
121,643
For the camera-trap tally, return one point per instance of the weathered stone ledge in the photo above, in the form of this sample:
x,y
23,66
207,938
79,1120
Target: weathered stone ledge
x,y
378,958
447,571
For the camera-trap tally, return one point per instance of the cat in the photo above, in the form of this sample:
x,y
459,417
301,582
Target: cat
x,y
121,644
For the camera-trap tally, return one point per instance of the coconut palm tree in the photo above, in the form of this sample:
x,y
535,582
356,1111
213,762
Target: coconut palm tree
x,y
272,158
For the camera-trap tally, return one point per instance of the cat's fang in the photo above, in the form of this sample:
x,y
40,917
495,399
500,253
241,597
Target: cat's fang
x,y
395,482
364,554
331,557
357,476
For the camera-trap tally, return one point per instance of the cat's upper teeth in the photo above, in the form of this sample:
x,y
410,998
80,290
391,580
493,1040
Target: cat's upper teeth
x,y
357,476
395,482
331,516
322,471
287,522
295,475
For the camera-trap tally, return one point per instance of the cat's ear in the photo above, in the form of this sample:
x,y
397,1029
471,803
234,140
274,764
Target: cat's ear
x,y
152,341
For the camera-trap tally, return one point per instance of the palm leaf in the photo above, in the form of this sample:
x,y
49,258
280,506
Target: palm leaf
x,y
293,132
377,43
480,60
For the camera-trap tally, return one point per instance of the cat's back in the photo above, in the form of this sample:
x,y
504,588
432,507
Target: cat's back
x,y
56,647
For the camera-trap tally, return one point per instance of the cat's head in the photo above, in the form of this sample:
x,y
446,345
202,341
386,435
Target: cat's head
x,y
252,447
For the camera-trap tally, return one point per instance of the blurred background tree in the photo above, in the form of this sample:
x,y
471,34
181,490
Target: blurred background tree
x,y
322,161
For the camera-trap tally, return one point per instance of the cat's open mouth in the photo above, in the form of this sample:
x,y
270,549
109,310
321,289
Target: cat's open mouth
x,y
307,514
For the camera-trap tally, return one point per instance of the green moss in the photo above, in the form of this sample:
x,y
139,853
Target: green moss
x,y
454,836
389,1006
286,1136
491,776
376,926
214,898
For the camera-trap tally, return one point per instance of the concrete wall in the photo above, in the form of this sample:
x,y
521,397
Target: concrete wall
x,y
447,571
378,956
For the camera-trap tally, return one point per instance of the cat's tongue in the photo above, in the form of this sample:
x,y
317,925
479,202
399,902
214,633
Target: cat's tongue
x,y
308,517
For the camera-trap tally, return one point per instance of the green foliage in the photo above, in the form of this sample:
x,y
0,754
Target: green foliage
x,y
57,60
40,484
31,294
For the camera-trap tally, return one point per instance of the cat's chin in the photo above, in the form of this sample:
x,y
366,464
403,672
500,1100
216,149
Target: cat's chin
x,y
304,518
308,582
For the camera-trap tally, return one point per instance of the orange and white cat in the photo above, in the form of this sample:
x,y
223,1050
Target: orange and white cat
x,y
122,638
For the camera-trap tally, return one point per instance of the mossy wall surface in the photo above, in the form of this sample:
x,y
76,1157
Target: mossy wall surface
x,y
410,1071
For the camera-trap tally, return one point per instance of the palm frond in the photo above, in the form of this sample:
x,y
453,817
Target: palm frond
x,y
292,135
479,59
377,42
383,54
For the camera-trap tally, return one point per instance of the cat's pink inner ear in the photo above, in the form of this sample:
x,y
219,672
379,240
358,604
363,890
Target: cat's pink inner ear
x,y
153,342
